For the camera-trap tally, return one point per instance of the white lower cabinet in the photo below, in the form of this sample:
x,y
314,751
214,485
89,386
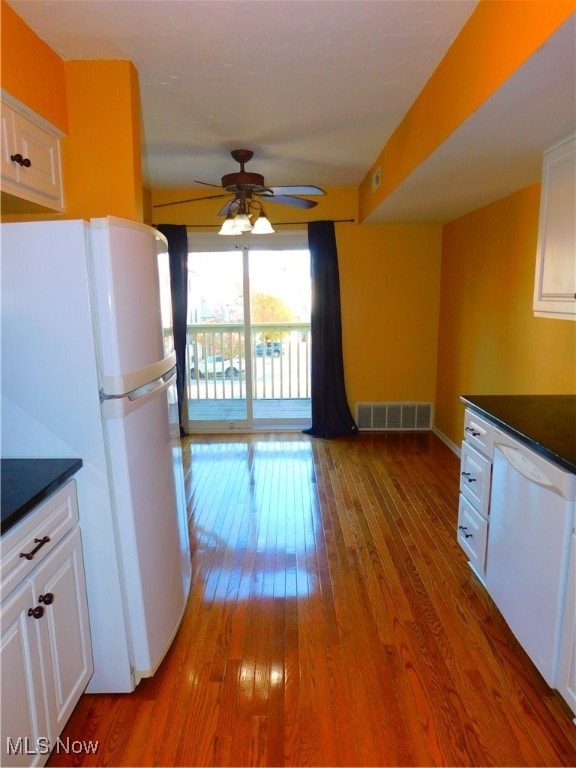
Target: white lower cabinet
x,y
23,711
566,680
46,656
476,509
475,482
472,535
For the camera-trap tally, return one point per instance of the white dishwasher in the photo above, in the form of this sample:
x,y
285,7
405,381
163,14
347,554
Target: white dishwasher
x,y
531,519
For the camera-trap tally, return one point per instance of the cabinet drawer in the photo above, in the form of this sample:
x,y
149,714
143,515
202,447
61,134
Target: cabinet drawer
x,y
475,475
472,535
53,518
479,433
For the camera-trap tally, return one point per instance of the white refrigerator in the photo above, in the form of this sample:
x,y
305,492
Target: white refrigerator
x,y
88,371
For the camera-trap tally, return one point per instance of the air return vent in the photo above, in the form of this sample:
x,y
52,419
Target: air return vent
x,y
393,416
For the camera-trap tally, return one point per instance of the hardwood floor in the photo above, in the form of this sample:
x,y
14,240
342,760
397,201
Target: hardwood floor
x,y
333,621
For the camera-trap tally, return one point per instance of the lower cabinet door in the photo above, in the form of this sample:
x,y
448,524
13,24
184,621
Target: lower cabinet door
x,y
46,656
60,588
566,680
24,739
472,535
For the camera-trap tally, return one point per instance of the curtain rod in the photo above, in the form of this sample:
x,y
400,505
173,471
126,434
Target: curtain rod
x,y
274,224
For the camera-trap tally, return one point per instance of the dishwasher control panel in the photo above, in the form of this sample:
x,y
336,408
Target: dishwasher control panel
x,y
535,467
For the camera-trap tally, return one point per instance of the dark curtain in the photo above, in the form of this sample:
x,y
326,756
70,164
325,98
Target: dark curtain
x,y
331,415
178,252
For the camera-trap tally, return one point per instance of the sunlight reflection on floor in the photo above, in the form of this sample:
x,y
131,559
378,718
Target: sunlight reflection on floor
x,y
269,515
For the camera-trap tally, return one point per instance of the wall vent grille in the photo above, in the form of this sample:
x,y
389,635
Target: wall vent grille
x,y
393,416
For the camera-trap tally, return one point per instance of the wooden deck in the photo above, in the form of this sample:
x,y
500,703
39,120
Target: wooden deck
x,y
333,621
278,413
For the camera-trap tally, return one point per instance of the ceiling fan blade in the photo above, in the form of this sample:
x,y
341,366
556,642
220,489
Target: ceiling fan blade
x,y
225,210
190,200
297,202
298,190
207,184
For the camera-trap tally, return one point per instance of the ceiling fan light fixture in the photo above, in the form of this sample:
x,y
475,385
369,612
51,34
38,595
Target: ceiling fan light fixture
x,y
262,225
242,223
228,226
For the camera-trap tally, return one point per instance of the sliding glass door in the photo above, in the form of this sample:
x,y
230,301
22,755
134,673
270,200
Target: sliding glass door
x,y
248,332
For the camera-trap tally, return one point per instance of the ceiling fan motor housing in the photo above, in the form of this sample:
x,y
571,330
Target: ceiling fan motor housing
x,y
232,181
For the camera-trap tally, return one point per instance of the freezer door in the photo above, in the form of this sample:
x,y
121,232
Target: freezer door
x,y
150,515
130,282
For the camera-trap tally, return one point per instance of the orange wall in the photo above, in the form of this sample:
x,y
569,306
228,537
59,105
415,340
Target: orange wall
x,y
390,288
31,71
497,39
489,340
101,154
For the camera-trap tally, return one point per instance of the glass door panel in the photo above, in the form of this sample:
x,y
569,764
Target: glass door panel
x,y
280,297
218,374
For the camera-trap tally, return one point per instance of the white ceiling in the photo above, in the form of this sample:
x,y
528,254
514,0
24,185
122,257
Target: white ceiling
x,y
315,88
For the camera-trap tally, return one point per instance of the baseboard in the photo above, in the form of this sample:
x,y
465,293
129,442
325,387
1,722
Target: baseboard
x,y
453,447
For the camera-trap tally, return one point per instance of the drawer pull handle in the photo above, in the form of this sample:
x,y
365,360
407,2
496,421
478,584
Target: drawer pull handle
x,y
465,531
39,543
473,432
21,160
467,476
47,599
37,612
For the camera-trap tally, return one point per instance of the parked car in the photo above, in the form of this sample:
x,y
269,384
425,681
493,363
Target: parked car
x,y
217,365
270,349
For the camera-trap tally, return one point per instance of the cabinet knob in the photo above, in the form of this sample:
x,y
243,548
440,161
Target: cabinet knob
x,y
465,531
467,476
37,612
21,160
47,599
472,432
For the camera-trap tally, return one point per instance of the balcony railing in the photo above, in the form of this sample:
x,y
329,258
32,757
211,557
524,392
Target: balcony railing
x,y
275,361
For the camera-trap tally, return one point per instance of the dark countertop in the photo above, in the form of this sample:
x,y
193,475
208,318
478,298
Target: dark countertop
x,y
27,482
546,423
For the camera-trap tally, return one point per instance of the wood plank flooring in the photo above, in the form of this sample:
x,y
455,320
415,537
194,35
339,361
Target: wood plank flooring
x,y
333,621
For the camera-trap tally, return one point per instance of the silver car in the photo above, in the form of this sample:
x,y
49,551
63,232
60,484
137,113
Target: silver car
x,y
215,366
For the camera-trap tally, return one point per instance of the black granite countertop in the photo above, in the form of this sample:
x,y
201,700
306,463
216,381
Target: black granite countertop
x,y
27,482
546,423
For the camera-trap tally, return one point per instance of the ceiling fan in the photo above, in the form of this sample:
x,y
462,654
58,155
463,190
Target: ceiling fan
x,y
244,185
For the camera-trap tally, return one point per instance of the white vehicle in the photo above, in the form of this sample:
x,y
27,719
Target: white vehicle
x,y
216,365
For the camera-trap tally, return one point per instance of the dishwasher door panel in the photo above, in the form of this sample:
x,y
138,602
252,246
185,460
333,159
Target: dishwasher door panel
x,y
528,548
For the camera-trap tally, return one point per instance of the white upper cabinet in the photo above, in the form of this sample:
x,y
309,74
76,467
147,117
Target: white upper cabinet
x,y
30,160
555,283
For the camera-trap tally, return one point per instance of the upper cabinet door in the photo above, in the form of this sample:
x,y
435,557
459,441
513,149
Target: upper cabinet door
x,y
31,171
555,283
40,148
9,167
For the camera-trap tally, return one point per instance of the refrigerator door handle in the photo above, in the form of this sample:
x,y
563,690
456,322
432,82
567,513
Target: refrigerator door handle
x,y
118,385
153,387
117,407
